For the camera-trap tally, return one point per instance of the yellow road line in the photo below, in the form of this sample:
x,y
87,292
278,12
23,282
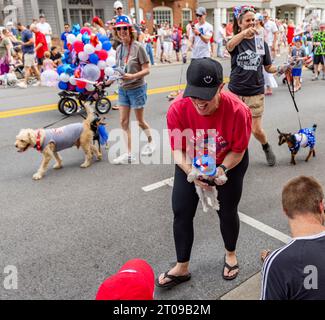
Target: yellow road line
x,y
51,107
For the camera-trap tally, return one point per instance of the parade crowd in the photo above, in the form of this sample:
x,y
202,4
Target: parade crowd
x,y
25,51
251,41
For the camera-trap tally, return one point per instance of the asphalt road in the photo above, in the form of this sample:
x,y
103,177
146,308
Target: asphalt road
x,y
69,231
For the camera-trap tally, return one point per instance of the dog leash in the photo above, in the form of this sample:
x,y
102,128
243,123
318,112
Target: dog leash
x,y
292,94
53,123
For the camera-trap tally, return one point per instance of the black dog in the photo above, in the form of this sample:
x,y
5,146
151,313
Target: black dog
x,y
304,138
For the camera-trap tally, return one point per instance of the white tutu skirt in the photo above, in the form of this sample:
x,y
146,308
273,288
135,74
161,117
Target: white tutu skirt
x,y
269,80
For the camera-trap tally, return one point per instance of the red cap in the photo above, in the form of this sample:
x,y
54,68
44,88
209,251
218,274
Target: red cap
x,y
134,281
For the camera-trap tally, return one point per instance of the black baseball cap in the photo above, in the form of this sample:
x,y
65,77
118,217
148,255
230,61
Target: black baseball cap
x,y
204,76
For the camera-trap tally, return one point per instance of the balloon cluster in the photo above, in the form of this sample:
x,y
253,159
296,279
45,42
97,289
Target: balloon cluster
x,y
89,58
206,165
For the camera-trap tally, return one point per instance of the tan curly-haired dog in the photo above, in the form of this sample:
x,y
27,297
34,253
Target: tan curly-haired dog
x,y
50,141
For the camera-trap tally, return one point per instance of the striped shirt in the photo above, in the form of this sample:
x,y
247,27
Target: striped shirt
x,y
296,271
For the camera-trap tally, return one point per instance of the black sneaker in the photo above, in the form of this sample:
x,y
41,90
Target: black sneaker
x,y
270,156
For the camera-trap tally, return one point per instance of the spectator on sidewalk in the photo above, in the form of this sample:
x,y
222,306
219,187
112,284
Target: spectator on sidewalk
x,y
160,43
176,37
271,33
40,46
56,56
134,281
200,35
167,43
148,41
296,271
229,29
46,29
28,48
99,26
220,40
319,50
5,51
64,34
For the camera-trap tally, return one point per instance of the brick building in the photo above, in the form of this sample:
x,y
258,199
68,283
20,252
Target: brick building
x,y
176,12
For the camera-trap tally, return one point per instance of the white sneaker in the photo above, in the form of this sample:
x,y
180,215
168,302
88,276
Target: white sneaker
x,y
36,84
125,158
22,85
148,149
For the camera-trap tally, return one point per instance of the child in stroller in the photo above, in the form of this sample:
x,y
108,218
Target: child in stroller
x,y
17,66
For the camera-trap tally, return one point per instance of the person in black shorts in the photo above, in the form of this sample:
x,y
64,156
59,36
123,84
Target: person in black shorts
x,y
297,270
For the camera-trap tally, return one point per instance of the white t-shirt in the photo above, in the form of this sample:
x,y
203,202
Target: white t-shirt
x,y
270,28
200,48
45,28
221,34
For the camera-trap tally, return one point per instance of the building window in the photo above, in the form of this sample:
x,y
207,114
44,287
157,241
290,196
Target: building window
x,y
75,16
80,2
100,13
65,16
186,16
163,14
86,15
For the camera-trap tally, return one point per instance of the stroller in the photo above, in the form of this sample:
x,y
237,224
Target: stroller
x,y
68,103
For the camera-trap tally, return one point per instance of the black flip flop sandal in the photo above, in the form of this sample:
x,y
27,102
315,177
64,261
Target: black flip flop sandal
x,y
230,268
175,280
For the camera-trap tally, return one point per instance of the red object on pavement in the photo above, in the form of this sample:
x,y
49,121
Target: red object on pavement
x,y
134,281
40,38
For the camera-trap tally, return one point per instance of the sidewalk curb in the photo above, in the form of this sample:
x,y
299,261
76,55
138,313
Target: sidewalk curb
x,y
247,290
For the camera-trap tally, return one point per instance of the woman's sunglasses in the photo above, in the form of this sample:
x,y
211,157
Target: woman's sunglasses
x,y
199,15
119,8
122,28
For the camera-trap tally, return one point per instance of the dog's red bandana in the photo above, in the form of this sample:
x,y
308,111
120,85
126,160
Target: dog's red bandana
x,y
38,141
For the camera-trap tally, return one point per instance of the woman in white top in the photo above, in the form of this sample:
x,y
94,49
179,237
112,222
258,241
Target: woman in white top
x,y
168,43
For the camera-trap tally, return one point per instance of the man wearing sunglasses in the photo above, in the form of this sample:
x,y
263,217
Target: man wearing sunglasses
x,y
200,36
119,11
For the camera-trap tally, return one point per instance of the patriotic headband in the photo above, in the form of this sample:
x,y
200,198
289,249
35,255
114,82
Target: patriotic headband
x,y
240,10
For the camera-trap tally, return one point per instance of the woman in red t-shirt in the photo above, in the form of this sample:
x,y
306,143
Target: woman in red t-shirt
x,y
207,119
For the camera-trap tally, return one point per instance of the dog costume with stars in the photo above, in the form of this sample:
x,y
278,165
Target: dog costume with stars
x,y
304,138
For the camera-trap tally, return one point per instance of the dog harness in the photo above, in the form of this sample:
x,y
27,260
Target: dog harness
x,y
63,138
304,138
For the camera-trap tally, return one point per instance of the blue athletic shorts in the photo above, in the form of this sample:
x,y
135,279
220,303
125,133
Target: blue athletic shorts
x,y
296,72
133,98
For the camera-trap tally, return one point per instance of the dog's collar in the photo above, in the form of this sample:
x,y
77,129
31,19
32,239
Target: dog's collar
x,y
38,141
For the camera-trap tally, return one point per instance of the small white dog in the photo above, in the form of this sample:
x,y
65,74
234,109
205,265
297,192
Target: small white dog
x,y
208,198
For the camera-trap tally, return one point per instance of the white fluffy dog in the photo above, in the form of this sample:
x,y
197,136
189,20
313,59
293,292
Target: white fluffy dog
x,y
208,198
50,141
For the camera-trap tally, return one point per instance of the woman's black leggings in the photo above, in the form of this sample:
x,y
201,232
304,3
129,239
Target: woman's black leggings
x,y
185,201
